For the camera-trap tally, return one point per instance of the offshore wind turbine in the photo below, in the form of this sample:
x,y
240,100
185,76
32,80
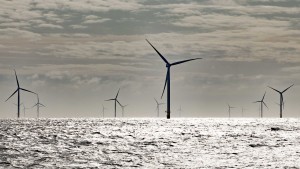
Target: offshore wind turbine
x,y
38,105
116,100
103,109
24,109
19,92
262,104
229,110
180,111
123,108
157,106
168,78
281,102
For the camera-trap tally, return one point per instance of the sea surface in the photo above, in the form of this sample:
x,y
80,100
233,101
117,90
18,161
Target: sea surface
x,y
150,143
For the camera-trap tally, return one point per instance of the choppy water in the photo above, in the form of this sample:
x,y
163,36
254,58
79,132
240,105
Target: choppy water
x,y
150,143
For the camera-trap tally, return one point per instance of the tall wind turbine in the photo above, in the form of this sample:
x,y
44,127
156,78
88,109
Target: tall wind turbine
x,y
116,100
168,78
281,102
262,104
38,105
229,109
157,106
18,90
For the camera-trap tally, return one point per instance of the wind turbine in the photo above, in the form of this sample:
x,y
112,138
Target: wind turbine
x,y
262,104
168,78
180,111
229,108
24,109
157,106
38,105
123,108
18,90
281,102
116,100
103,109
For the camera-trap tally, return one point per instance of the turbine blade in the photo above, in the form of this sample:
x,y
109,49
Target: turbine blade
x,y
264,96
287,88
34,105
117,94
274,89
265,104
17,78
165,83
42,105
257,102
109,99
179,62
119,103
12,95
27,90
156,101
162,57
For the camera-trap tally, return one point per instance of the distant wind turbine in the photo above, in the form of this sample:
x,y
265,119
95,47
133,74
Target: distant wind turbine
x,y
180,111
229,110
157,106
168,78
103,109
123,108
116,100
18,90
281,102
38,105
262,104
24,109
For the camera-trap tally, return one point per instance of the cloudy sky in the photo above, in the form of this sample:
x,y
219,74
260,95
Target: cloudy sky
x,y
77,53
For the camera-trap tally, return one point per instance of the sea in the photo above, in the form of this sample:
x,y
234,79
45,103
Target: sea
x,y
150,143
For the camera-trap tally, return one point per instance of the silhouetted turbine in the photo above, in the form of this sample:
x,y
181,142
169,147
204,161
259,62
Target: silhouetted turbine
x,y
18,90
229,110
157,106
24,109
116,100
38,105
281,102
168,78
180,111
262,104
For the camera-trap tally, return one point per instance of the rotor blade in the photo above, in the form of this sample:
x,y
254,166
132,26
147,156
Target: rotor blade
x,y
119,103
264,96
274,89
42,105
165,83
257,102
156,101
265,104
287,88
163,58
34,105
17,78
117,93
27,90
179,62
109,99
12,94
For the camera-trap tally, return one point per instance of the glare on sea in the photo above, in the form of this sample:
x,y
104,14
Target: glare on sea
x,y
150,143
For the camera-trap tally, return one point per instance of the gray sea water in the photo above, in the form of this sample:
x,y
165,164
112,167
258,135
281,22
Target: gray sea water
x,y
150,143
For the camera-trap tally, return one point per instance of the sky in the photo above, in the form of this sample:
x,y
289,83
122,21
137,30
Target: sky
x,y
77,53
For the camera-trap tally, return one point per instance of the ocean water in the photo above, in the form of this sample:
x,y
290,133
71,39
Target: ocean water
x,y
150,143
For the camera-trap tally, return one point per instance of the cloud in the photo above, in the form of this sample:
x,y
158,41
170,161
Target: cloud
x,y
51,26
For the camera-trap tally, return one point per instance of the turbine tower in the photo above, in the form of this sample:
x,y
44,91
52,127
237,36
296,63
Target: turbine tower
x,y
116,100
157,106
281,102
229,110
262,104
24,109
38,105
18,90
168,78
103,109
180,111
